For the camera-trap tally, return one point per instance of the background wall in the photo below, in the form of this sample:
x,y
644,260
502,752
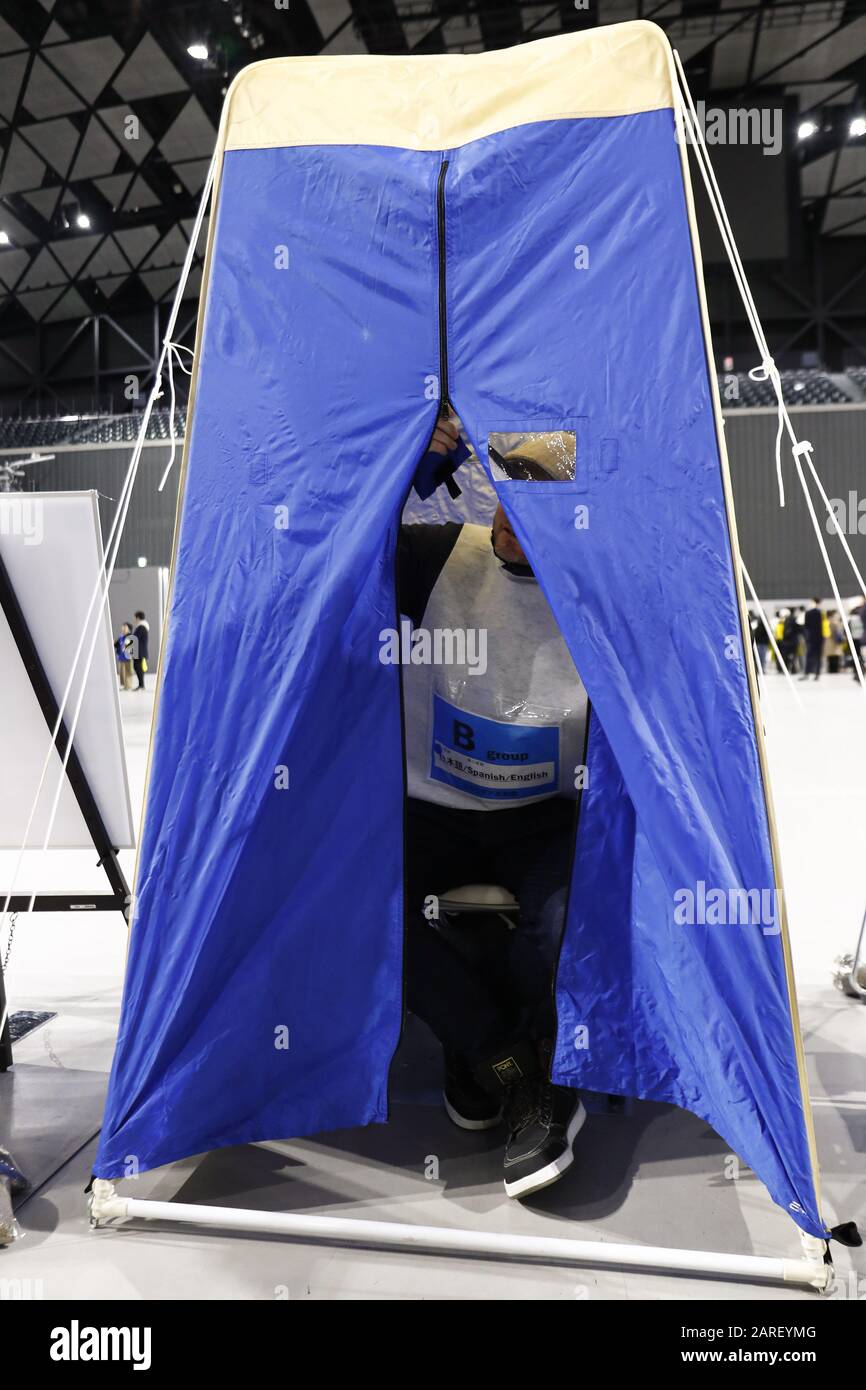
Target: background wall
x,y
150,520
777,544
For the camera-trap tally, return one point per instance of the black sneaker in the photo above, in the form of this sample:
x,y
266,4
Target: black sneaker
x,y
543,1122
467,1103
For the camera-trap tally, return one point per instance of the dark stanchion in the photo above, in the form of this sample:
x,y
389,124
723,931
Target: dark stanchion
x,y
5,1035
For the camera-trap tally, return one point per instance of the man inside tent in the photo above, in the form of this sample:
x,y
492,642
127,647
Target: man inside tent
x,y
495,730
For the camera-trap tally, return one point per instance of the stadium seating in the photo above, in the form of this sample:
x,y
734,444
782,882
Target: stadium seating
x,y
809,386
43,433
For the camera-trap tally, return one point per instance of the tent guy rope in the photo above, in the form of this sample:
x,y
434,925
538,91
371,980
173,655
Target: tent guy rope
x,y
99,596
767,370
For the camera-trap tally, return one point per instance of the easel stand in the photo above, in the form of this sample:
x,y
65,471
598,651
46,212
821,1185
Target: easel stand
x,y
119,898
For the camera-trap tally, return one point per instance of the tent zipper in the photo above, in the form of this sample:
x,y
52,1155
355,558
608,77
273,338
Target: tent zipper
x,y
444,406
444,409
444,398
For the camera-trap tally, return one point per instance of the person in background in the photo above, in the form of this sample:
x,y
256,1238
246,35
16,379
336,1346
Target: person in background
x,y
813,626
760,637
799,638
123,655
790,640
834,642
779,634
857,625
140,650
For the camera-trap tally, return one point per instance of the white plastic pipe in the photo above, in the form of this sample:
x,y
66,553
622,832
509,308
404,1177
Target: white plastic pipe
x,y
106,1205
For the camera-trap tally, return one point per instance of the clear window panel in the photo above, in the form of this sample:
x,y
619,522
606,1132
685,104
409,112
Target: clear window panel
x,y
536,456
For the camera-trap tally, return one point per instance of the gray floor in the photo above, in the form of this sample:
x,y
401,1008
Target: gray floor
x,y
652,1175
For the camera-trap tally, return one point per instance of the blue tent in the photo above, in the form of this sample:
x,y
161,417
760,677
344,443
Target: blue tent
x,y
512,233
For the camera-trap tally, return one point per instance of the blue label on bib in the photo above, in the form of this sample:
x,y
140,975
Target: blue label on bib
x,y
491,759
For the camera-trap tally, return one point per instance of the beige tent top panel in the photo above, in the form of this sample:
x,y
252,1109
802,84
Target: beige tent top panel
x,y
440,101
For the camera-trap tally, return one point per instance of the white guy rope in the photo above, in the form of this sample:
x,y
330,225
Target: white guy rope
x,y
767,371
841,534
799,449
100,590
769,627
175,349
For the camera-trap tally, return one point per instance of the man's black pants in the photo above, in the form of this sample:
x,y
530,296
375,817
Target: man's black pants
x,y
814,652
477,1007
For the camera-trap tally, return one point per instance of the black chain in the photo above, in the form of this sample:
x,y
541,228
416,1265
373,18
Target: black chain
x,y
13,922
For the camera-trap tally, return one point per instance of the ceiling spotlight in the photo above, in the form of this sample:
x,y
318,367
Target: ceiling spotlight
x,y
4,239
805,129
142,561
198,51
82,221
857,126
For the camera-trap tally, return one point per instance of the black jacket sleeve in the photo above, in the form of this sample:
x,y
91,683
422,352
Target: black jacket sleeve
x,y
421,555
814,623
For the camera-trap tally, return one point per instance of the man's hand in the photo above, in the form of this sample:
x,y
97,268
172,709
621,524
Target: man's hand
x,y
445,436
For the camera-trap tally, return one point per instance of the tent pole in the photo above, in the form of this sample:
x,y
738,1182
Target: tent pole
x,y
106,1205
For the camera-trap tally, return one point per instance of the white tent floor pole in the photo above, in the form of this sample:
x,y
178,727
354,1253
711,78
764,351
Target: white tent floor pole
x,y
106,1205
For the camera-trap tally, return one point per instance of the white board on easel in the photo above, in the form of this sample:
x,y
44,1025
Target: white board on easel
x,y
51,545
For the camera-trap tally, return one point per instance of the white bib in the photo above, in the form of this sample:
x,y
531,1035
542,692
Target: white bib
x,y
496,720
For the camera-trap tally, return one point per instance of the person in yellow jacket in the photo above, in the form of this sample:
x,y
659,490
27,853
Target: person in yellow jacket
x,y
834,642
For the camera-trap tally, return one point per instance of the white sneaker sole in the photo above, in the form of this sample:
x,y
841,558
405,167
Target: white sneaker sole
x,y
463,1123
533,1182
